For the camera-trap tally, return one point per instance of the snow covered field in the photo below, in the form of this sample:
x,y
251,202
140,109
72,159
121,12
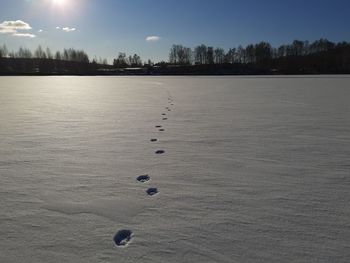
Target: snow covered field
x,y
239,169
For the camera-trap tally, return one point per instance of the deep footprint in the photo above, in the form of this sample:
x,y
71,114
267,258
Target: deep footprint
x,y
143,178
161,130
163,114
159,126
160,152
122,238
152,191
164,119
154,140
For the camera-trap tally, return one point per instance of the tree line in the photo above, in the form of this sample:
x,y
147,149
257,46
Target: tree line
x,y
320,56
299,57
44,61
69,61
124,61
70,54
252,53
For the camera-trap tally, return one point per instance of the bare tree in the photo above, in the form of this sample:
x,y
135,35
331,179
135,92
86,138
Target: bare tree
x,y
250,54
58,55
230,56
3,51
49,53
263,53
219,55
210,55
200,54
136,61
180,55
24,53
120,62
40,53
241,55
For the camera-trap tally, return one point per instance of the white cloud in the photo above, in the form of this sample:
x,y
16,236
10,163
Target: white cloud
x,y
24,35
12,27
68,29
15,25
153,38
7,30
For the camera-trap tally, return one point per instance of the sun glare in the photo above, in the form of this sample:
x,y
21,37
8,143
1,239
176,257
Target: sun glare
x,y
64,8
59,2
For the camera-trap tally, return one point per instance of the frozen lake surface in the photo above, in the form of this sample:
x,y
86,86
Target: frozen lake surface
x,y
238,169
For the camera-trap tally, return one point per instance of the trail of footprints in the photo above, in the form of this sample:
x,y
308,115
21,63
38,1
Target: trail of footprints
x,y
123,237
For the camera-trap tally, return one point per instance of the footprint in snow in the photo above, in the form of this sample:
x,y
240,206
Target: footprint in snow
x,y
143,178
122,238
152,191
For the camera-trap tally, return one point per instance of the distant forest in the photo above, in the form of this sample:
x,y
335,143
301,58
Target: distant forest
x,y
300,57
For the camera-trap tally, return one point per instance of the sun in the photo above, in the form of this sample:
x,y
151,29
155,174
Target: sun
x,y
59,2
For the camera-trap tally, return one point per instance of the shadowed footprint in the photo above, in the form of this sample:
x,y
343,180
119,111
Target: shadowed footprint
x,y
164,119
161,130
143,178
160,152
163,114
159,126
122,238
152,191
154,140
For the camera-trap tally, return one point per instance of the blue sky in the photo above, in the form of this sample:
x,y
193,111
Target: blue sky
x,y
106,27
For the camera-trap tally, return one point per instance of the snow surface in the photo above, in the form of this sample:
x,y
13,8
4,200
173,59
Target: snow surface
x,y
254,169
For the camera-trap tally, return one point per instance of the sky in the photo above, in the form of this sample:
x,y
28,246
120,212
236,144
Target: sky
x,y
103,28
